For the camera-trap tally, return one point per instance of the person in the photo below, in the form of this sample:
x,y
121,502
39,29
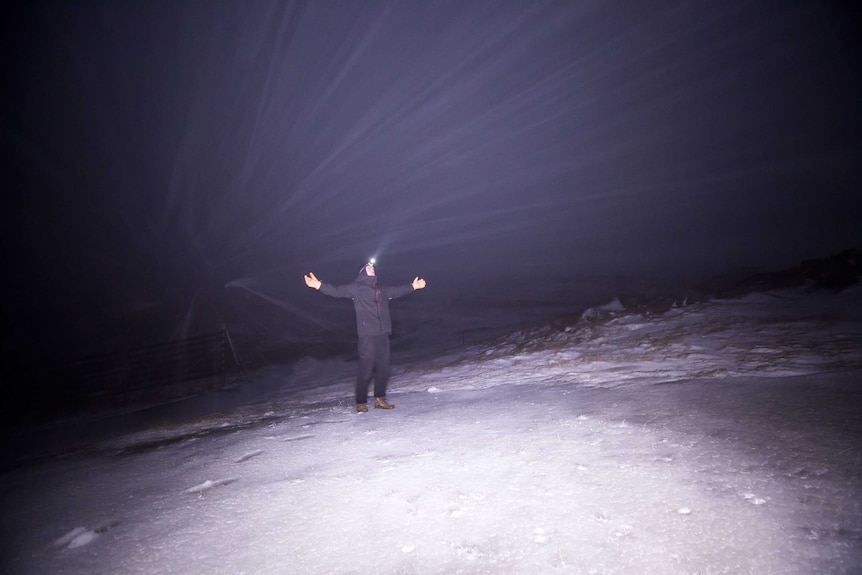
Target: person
x,y
373,326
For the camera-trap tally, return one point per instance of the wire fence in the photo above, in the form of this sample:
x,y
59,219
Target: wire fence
x,y
147,374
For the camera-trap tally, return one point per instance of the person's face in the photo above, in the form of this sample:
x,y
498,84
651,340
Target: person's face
x,y
369,271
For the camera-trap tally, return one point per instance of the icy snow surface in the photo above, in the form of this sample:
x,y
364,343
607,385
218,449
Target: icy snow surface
x,y
722,437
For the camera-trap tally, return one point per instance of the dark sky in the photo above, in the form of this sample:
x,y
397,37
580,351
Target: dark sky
x,y
156,152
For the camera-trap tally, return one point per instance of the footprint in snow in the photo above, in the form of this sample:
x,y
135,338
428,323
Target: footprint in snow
x,y
298,437
80,536
249,455
208,484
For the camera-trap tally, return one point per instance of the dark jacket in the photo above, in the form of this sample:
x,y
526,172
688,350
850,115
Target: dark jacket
x,y
370,300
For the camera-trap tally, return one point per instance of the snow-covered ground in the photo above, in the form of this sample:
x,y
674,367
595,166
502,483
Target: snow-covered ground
x,y
721,437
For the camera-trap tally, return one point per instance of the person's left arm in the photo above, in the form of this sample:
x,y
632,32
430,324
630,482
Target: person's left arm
x,y
398,291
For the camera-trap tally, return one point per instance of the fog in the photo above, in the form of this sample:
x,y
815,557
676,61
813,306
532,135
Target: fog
x,y
172,167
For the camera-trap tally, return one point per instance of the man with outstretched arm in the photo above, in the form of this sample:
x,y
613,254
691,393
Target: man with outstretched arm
x,y
373,326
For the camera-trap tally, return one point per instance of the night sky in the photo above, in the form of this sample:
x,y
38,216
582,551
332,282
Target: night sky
x,y
169,166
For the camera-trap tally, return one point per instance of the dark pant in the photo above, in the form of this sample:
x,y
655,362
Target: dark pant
x,y
373,362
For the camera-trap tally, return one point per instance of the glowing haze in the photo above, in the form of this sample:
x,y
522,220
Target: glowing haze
x,y
161,154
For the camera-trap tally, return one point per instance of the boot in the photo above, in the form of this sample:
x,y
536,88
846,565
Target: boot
x,y
381,403
361,408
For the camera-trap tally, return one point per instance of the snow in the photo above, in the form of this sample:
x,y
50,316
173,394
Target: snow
x,y
719,437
